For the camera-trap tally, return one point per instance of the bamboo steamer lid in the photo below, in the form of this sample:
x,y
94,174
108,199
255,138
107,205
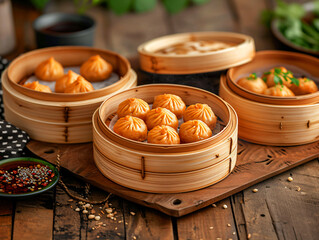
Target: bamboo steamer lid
x,y
269,124
154,62
165,168
300,64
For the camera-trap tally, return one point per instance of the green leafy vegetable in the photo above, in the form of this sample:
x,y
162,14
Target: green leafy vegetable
x,y
175,6
144,5
252,76
295,24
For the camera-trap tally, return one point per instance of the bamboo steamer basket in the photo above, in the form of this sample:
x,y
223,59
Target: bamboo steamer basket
x,y
270,124
153,62
300,64
24,66
147,167
53,117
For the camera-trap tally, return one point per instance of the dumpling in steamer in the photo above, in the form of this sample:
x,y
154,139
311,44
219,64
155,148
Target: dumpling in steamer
x,y
253,83
37,87
279,91
171,102
193,131
65,81
161,116
78,86
96,69
269,77
201,112
163,135
306,86
49,70
134,107
131,127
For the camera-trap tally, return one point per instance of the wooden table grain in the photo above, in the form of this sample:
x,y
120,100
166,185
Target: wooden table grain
x,y
279,210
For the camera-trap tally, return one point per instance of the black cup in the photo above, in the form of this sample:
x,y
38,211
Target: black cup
x,y
60,29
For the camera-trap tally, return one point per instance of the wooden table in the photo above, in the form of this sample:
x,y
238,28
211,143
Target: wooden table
x,y
279,210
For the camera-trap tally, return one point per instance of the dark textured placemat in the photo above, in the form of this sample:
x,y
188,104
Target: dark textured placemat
x,y
12,139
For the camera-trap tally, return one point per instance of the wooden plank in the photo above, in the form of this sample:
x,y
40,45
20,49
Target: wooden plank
x,y
255,163
212,16
6,212
248,15
129,31
281,209
209,223
144,223
34,217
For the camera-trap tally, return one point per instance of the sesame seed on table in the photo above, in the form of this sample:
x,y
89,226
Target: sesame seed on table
x,y
285,206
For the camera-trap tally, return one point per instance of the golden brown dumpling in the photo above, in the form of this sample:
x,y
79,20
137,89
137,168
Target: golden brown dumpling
x,y
171,102
193,131
269,77
49,70
306,86
96,69
163,135
133,106
78,86
65,81
37,87
279,91
131,127
161,116
201,112
253,83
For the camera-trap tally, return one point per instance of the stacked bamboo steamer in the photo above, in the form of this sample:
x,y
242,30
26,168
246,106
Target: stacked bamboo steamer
x,y
59,117
279,121
165,168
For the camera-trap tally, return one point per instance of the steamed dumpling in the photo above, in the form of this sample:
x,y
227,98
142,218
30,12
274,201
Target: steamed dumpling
x,y
161,116
163,135
78,86
306,86
201,112
65,81
37,87
171,102
279,91
96,69
193,131
253,83
49,70
131,127
133,106
269,77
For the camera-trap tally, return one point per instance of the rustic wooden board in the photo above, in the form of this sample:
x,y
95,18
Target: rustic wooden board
x,y
255,163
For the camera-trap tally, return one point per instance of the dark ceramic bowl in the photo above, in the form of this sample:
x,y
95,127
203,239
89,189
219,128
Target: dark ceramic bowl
x,y
60,29
24,161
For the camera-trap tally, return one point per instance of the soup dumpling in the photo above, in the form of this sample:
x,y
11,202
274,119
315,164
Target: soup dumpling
x,y
306,86
78,86
161,116
49,70
279,91
269,77
65,81
131,127
171,102
133,106
201,112
37,87
163,135
96,69
193,131
253,83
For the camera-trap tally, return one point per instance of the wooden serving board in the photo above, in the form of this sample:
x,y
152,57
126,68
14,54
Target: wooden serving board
x,y
255,163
